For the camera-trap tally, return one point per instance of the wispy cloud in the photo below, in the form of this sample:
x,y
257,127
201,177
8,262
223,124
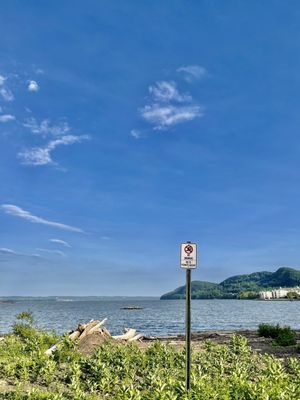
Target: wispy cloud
x,y
59,241
162,117
57,252
45,127
37,156
164,91
6,94
33,86
6,251
16,211
193,72
7,118
168,107
135,133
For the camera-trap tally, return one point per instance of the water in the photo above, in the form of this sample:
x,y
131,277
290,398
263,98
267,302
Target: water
x,y
157,318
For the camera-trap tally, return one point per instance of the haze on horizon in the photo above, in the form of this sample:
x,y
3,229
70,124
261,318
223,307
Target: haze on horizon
x,y
127,128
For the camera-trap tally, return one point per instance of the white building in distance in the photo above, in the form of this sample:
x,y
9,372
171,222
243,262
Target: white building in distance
x,y
278,293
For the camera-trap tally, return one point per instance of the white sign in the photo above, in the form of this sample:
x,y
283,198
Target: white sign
x,y
188,255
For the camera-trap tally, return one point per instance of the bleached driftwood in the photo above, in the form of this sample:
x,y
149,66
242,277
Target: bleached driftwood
x,y
95,326
89,326
74,335
139,336
130,333
51,350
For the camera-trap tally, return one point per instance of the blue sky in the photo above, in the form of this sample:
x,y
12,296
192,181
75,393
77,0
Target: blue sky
x,y
129,127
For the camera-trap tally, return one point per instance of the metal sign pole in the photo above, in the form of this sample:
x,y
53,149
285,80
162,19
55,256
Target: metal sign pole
x,y
188,261
188,329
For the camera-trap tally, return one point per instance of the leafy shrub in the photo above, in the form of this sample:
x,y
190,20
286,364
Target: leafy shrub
x,y
26,317
127,372
268,330
24,328
283,336
293,295
286,337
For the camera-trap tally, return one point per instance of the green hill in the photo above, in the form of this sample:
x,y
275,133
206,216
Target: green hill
x,y
239,286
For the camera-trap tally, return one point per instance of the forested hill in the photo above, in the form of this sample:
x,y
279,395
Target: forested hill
x,y
239,286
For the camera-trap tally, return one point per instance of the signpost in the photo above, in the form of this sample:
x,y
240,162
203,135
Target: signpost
x,y
188,261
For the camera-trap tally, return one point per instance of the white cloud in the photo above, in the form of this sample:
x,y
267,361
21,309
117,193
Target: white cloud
x,y
45,128
164,91
4,250
193,72
135,133
33,86
42,155
6,94
7,251
2,80
58,252
59,241
168,107
7,118
165,116
16,211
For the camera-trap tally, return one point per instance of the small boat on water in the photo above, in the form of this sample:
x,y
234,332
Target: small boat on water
x,y
132,308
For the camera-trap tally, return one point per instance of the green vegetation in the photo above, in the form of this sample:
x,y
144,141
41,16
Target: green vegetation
x,y
283,336
293,295
127,372
239,286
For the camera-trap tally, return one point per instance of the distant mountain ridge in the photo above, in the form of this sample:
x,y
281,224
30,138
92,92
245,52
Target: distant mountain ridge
x,y
239,286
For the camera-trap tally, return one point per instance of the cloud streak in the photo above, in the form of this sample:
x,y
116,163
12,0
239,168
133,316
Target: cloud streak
x,y
135,133
163,117
164,91
10,252
59,241
45,127
16,211
7,251
7,118
168,107
57,252
192,72
6,94
38,156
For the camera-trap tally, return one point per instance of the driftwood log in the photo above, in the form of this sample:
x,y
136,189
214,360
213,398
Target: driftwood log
x,y
95,327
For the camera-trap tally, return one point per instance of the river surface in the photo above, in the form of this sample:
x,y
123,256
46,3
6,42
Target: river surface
x,y
157,317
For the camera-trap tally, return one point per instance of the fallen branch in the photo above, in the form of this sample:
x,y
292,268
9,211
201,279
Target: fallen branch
x,y
130,333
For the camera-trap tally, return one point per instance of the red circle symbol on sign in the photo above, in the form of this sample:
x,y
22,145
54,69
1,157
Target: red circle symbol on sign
x,y
188,249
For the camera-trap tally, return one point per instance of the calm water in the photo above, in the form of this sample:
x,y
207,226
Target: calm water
x,y
157,317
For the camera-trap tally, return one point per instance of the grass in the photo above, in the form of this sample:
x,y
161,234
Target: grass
x,y
127,372
283,336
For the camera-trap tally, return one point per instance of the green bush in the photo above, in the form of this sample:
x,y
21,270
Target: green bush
x,y
268,330
283,336
127,372
286,337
